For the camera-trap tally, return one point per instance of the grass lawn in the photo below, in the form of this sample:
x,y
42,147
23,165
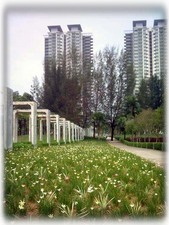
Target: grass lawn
x,y
88,179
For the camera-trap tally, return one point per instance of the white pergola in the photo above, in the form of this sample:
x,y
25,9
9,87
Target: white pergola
x,y
70,131
33,123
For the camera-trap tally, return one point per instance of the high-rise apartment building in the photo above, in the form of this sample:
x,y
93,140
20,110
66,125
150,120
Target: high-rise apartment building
x,y
159,46
87,53
145,48
54,46
73,49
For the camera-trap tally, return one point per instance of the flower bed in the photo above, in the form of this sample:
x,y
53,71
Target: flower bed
x,y
88,179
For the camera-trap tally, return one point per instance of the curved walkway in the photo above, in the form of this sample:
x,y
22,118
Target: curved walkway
x,y
155,156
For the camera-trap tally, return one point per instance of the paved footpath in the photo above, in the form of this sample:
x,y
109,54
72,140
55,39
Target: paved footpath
x,y
154,156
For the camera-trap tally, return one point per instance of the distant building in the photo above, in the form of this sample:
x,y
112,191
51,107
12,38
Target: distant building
x,y
73,49
54,46
159,48
87,53
145,48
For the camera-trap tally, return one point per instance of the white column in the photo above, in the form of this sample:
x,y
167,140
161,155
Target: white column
x,y
30,131
8,118
41,129
75,127
78,133
34,123
64,130
54,135
48,126
15,126
68,126
58,129
81,133
72,128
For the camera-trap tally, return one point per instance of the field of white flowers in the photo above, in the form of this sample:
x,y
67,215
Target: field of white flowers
x,y
88,179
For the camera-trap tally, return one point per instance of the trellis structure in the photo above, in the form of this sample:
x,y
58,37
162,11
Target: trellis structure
x,y
70,131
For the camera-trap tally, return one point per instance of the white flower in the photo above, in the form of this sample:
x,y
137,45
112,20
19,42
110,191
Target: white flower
x,y
21,204
50,215
90,189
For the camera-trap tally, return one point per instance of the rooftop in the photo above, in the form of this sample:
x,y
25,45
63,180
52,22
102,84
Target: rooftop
x,y
55,27
143,22
162,21
78,26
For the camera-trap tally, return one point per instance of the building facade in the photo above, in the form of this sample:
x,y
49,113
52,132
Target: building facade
x,y
159,46
54,46
87,53
146,49
72,49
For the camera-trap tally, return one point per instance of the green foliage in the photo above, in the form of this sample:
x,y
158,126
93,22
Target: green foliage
x,y
88,179
132,106
147,122
130,75
25,97
131,127
143,95
156,92
62,94
149,145
99,121
151,93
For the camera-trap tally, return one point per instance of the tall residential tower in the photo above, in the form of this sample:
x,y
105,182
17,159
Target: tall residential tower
x,y
54,45
146,50
72,49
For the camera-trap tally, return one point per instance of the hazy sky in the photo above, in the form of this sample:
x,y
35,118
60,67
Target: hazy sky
x,y
25,29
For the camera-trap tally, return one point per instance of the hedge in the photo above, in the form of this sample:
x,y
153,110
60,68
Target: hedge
x,y
145,139
152,145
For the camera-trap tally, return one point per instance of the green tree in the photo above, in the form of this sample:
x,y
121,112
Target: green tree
x,y
143,95
62,94
130,75
25,97
98,84
156,88
145,122
159,120
131,127
121,124
98,122
132,106
114,80
37,92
